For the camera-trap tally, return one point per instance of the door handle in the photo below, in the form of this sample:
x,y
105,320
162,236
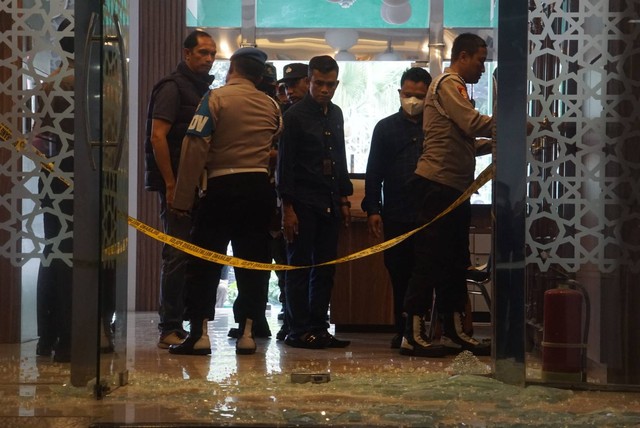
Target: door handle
x,y
88,43
124,111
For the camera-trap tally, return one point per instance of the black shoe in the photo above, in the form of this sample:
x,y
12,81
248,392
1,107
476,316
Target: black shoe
x,y
396,341
333,342
281,315
262,331
477,275
44,348
234,333
282,333
62,354
307,341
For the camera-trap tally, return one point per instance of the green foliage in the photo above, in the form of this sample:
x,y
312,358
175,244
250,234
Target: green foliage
x,y
272,298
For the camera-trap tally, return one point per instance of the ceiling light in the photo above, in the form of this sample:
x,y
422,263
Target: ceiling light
x,y
341,38
344,55
388,54
395,11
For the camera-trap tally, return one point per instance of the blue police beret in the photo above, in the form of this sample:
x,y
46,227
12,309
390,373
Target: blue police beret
x,y
253,53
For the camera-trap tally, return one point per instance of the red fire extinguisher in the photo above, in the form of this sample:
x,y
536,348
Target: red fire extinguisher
x,y
563,349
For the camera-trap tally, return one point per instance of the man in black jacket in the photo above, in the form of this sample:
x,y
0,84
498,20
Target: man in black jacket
x,y
314,185
173,102
396,146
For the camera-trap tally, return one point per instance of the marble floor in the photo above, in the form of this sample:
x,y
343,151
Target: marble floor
x,y
369,385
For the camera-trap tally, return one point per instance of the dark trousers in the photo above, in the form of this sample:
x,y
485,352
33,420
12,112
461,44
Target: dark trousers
x,y
55,275
399,261
54,304
308,291
173,270
441,251
236,209
279,255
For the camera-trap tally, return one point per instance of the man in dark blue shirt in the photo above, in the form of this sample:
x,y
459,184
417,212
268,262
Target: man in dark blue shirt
x,y
313,183
396,146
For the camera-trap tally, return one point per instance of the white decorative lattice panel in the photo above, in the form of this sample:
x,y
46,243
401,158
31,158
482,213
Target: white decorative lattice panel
x,y
584,157
38,101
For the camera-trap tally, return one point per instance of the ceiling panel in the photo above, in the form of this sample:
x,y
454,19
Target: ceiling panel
x,y
328,14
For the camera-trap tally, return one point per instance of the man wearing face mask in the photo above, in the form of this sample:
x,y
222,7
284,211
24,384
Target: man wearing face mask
x,y
396,146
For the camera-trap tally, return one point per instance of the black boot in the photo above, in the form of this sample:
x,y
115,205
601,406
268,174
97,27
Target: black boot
x,y
246,345
396,341
282,333
415,341
62,351
456,340
44,348
196,343
261,327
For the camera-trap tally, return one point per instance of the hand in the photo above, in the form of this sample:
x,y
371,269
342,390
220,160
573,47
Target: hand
x,y
170,193
346,215
289,223
374,222
179,213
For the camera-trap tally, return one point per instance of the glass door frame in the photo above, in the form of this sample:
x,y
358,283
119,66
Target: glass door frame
x,y
100,269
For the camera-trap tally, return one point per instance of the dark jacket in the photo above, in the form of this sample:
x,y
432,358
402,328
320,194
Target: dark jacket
x,y
191,88
396,146
312,164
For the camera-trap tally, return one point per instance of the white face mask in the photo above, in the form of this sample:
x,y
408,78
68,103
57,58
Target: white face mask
x,y
412,106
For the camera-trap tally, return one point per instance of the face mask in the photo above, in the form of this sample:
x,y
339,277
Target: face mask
x,y
412,106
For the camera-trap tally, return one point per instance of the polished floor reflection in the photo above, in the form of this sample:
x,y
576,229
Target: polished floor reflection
x,y
370,385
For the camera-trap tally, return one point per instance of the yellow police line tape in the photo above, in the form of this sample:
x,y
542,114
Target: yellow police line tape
x,y
224,259
38,157
21,146
119,248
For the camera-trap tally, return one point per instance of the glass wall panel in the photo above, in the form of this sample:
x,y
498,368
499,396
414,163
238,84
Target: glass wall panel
x,y
37,175
114,196
63,246
582,262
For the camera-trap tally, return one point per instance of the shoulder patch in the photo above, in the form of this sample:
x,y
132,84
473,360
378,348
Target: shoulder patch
x,y
202,125
463,91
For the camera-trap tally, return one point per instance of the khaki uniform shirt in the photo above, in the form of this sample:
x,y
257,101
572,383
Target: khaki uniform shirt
x,y
450,147
231,132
